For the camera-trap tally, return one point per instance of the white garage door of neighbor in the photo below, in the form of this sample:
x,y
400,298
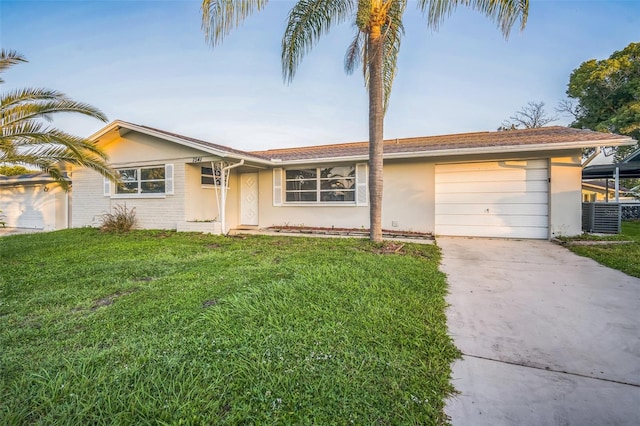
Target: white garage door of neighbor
x,y
506,199
25,207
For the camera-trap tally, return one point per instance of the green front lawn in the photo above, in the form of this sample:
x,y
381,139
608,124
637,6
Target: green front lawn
x,y
624,257
163,328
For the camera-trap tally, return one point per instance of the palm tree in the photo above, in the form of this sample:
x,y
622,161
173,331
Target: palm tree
x,y
376,45
25,138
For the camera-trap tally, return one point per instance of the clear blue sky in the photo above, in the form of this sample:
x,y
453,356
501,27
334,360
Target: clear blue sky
x,y
147,62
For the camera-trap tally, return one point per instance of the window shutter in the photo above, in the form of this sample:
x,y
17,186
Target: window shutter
x,y
107,187
362,193
168,179
277,186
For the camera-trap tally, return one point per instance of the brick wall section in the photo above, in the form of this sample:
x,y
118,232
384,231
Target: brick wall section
x,y
89,202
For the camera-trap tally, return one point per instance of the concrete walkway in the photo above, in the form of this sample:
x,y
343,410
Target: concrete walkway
x,y
549,338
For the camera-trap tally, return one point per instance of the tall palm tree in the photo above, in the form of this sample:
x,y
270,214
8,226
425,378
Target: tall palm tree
x,y
26,139
376,45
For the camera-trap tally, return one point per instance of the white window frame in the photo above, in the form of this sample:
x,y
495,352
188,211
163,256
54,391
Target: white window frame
x,y
111,190
359,187
217,176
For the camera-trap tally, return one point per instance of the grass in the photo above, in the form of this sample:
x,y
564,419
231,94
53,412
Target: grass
x,y
624,257
156,327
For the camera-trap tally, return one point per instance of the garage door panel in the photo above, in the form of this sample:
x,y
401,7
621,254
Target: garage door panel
x,y
493,220
489,187
495,232
492,199
500,209
493,166
495,176
488,198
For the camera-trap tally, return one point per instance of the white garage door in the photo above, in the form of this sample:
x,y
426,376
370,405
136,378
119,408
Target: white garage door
x,y
507,199
25,206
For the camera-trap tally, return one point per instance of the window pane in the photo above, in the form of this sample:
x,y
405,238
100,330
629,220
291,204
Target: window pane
x,y
207,180
337,196
302,196
128,174
301,174
206,171
152,173
343,183
301,185
152,187
127,188
338,172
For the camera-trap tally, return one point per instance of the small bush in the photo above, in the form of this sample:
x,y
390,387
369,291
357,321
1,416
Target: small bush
x,y
121,220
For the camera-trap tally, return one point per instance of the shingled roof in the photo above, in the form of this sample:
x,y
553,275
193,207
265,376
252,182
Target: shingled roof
x,y
204,143
540,139
555,137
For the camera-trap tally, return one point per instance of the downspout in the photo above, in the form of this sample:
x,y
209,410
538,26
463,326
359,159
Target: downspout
x,y
223,194
616,176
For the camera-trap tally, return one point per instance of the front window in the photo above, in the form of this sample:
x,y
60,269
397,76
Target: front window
x,y
211,175
142,180
321,185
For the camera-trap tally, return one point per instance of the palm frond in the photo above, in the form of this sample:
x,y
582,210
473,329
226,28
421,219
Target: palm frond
x,y
24,139
25,105
18,96
308,20
392,33
354,55
9,58
220,17
504,13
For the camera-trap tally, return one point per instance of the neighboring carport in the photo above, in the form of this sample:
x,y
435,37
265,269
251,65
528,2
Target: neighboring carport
x,y
627,168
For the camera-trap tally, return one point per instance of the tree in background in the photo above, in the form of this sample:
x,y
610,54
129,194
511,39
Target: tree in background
x,y
605,95
379,29
530,116
26,140
14,170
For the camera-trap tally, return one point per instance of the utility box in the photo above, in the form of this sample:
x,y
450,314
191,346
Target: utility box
x,y
601,218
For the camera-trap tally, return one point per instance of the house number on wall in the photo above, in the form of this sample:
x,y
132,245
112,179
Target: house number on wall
x,y
196,159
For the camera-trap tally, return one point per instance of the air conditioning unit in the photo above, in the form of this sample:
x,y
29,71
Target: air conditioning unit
x,y
601,218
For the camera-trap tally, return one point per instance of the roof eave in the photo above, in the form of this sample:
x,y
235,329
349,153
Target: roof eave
x,y
31,180
117,124
465,151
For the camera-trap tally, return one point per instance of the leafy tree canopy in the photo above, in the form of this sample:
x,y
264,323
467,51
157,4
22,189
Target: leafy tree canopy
x,y
14,170
608,95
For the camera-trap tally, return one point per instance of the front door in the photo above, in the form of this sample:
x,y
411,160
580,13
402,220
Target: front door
x,y
249,199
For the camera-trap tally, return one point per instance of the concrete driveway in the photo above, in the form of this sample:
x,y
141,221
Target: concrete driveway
x,y
548,337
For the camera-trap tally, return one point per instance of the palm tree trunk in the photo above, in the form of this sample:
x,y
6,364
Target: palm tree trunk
x,y
376,121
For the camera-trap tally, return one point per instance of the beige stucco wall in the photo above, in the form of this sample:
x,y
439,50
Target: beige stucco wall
x,y
565,199
201,202
409,196
407,203
326,216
